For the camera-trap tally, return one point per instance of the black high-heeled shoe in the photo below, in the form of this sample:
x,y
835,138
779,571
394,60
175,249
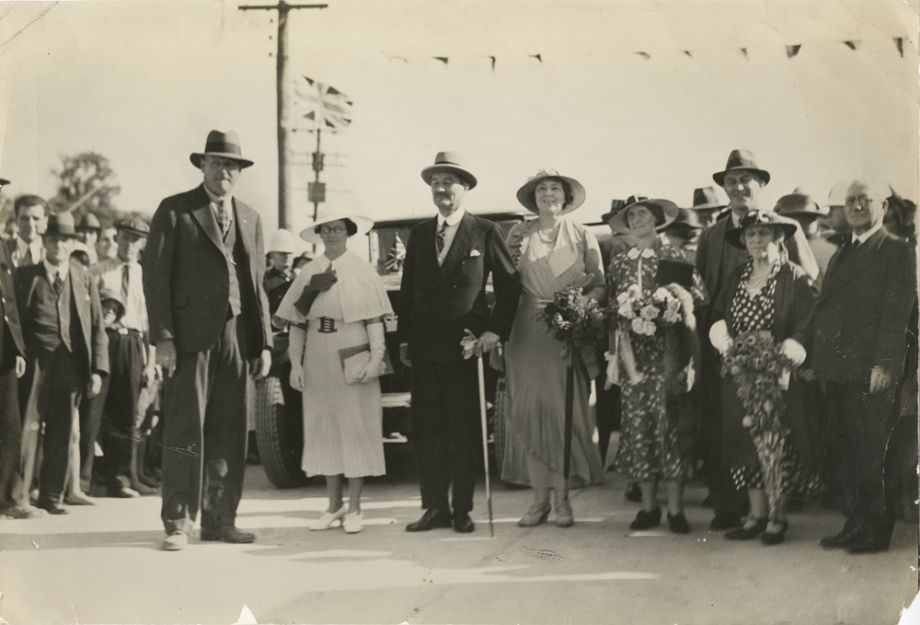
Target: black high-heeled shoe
x,y
775,538
747,531
644,520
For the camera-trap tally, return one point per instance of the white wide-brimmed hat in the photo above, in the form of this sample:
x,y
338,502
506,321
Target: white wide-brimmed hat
x,y
310,235
525,194
282,241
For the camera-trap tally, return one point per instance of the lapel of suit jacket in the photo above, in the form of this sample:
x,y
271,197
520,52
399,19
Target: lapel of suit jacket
x,y
459,247
244,229
843,270
715,252
81,301
206,219
780,299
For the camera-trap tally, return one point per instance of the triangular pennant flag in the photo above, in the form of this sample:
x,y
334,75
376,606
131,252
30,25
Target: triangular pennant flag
x,y
443,59
644,55
852,45
539,57
793,50
899,44
688,53
744,52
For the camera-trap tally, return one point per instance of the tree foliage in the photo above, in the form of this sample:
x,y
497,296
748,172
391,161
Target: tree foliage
x,y
86,183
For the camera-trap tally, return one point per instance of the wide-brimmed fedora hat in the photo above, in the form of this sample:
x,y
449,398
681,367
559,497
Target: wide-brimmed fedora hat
x,y
665,212
89,223
335,214
615,207
223,144
741,160
686,218
134,225
799,203
61,225
760,218
452,162
525,194
706,199
282,241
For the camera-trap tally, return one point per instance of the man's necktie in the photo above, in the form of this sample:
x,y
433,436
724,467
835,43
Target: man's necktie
x,y
439,238
223,215
125,281
57,283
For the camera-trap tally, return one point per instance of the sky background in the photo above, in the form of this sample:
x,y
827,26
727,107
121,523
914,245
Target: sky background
x,y
143,83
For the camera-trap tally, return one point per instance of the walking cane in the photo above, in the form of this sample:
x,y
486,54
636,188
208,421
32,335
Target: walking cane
x,y
470,345
480,370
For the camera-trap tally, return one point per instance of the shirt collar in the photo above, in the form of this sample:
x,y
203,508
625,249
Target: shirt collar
x,y
868,233
35,246
453,219
63,270
227,199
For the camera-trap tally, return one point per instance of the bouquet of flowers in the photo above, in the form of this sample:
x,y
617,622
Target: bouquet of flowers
x,y
645,313
760,371
575,318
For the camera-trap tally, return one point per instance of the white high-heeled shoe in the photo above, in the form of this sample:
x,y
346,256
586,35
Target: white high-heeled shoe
x,y
352,523
328,519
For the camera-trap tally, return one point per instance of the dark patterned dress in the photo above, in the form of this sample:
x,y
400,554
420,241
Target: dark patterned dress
x,y
650,447
754,313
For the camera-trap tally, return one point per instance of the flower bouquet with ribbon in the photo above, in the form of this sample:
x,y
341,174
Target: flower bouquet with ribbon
x,y
761,370
645,315
579,323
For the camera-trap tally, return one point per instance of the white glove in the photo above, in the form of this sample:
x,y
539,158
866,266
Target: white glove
x,y
794,351
375,337
718,336
613,370
297,377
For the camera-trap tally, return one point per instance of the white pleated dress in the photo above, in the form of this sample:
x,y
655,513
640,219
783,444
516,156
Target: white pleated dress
x,y
342,423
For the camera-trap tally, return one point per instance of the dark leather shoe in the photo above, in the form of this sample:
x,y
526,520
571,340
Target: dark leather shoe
x,y
433,518
868,543
843,539
677,523
749,531
227,534
644,520
51,507
463,523
724,521
775,538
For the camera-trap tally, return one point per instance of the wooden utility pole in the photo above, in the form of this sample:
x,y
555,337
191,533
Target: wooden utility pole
x,y
281,57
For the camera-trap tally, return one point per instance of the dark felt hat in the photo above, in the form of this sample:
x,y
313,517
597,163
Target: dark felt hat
x,y
223,144
665,212
615,207
706,199
61,225
799,202
686,218
89,223
761,218
450,162
3,182
741,160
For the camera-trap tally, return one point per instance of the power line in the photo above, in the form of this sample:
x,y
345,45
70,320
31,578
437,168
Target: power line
x,y
24,28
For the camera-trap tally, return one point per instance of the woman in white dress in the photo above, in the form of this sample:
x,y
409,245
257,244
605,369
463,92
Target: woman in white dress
x,y
335,308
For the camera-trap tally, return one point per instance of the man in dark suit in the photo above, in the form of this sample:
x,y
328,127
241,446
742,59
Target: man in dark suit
x,y
12,367
32,218
209,321
743,182
442,296
68,354
858,351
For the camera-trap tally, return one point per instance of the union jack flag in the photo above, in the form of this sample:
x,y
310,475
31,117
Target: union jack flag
x,y
396,256
324,105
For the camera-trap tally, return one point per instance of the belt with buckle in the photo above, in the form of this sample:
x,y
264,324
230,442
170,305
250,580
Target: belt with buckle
x,y
327,325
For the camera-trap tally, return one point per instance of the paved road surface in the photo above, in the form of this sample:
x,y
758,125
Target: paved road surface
x,y
101,564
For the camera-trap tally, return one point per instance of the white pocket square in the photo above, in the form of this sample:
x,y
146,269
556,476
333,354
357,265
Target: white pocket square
x,y
474,253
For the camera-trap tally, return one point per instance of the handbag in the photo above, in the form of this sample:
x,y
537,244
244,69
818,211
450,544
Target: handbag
x,y
355,359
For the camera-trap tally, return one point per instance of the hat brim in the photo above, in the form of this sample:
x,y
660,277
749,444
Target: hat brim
x,y
310,235
66,234
139,233
525,194
4,182
429,171
196,157
719,176
733,236
708,207
665,212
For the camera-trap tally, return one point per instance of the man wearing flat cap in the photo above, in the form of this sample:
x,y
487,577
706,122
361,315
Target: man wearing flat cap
x,y
443,297
743,181
132,365
209,322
